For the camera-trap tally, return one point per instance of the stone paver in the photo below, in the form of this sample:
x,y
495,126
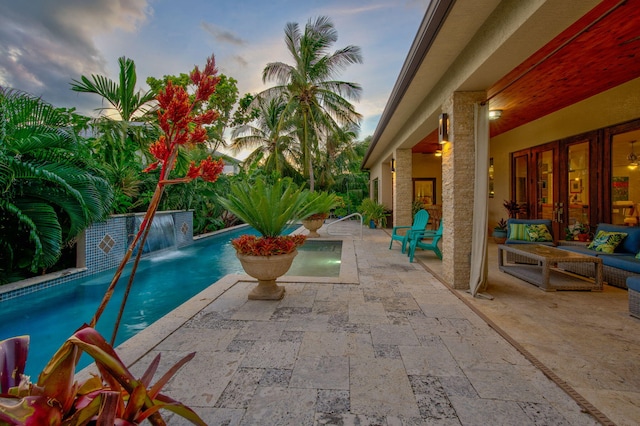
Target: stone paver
x,y
396,349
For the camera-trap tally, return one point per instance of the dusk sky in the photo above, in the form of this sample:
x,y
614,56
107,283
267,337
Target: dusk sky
x,y
45,44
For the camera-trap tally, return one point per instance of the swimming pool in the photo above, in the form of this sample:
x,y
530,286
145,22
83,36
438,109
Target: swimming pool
x,y
163,281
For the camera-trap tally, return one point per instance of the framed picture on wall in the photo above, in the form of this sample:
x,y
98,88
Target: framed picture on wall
x,y
576,186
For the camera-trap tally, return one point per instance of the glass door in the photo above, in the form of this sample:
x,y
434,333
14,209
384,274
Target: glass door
x,y
545,198
577,184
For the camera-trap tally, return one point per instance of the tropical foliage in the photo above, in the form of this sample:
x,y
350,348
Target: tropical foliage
x,y
318,104
49,192
123,133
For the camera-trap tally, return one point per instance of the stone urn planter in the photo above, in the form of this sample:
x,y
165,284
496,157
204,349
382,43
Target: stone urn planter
x,y
312,226
266,269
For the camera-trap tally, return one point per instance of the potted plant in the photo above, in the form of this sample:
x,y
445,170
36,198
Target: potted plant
x,y
375,213
500,231
512,207
269,209
325,202
577,231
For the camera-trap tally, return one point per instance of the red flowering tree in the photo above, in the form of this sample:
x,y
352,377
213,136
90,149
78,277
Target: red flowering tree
x,y
182,127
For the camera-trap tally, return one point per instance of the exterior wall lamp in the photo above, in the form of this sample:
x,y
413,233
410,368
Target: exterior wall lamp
x,y
494,114
443,128
393,165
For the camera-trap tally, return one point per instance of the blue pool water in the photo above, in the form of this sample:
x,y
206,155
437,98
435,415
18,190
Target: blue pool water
x,y
163,281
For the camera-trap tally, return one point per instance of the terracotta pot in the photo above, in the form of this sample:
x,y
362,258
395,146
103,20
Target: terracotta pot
x,y
313,225
583,237
266,269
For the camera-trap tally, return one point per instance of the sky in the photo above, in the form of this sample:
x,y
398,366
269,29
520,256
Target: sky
x,y
46,44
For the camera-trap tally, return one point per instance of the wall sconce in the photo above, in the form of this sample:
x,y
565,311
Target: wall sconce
x,y
393,165
438,153
443,128
494,114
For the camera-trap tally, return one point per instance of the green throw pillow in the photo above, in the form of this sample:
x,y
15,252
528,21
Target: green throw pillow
x,y
538,233
638,255
518,232
606,242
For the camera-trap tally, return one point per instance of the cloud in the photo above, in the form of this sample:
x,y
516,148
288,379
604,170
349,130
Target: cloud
x,y
222,35
44,44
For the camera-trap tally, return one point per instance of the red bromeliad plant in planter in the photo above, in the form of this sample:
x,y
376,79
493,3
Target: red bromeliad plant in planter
x,y
115,397
269,209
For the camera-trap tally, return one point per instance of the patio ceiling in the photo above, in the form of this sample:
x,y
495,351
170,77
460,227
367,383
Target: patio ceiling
x,y
598,52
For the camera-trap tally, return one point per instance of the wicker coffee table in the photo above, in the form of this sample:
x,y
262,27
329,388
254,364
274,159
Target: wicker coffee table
x,y
545,273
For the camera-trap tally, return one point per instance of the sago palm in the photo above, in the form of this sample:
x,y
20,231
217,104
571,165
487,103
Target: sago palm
x,y
49,193
320,103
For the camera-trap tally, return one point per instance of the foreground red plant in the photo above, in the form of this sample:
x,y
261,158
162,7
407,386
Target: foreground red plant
x,y
114,398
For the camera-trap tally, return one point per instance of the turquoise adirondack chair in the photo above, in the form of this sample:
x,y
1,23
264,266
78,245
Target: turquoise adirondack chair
x,y
419,224
418,240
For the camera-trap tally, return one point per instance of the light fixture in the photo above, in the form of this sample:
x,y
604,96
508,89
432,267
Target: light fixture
x,y
494,114
438,153
633,158
393,165
443,128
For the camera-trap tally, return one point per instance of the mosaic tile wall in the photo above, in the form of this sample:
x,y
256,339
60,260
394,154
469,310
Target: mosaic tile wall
x,y
105,245
183,228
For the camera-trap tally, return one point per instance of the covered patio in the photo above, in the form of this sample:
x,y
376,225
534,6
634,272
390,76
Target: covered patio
x,y
585,339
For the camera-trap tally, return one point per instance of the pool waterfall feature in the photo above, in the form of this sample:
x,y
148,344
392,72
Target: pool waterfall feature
x,y
161,236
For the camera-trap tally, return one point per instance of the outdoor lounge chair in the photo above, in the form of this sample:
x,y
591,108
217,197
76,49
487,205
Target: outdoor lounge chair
x,y
418,241
419,224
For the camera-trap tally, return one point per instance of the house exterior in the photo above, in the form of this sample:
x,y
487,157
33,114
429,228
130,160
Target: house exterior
x,y
563,75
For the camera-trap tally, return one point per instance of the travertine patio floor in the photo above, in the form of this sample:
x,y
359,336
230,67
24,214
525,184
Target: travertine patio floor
x,y
397,348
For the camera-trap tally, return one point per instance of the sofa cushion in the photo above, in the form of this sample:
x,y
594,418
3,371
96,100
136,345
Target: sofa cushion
x,y
606,242
631,244
538,232
513,221
626,263
633,283
518,231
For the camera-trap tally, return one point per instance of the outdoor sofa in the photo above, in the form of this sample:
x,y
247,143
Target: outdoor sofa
x,y
617,266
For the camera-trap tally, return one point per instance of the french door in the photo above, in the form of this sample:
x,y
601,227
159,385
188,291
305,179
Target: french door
x,y
555,180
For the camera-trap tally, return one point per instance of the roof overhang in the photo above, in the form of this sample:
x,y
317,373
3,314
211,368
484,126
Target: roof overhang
x,y
498,47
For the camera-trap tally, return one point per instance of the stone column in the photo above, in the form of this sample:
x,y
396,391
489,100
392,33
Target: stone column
x,y
458,176
403,188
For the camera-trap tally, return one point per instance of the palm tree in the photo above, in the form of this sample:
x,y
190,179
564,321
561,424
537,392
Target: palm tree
x,y
338,156
122,143
272,136
320,103
50,193
122,97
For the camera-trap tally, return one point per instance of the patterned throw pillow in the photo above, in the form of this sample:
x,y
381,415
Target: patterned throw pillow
x,y
518,231
606,242
539,233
